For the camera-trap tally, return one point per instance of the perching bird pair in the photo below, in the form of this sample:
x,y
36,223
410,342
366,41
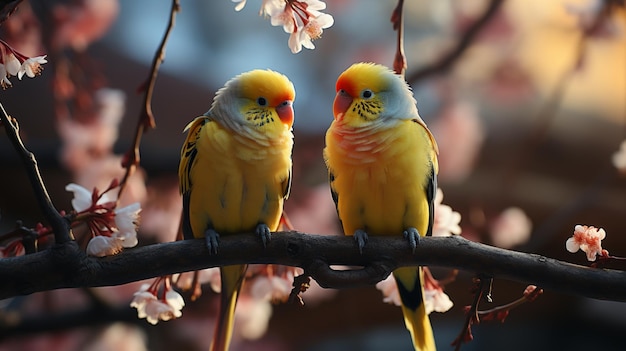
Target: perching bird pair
x,y
235,173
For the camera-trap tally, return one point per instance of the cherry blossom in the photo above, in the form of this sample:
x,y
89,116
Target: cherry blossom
x,y
100,246
435,299
303,20
252,317
271,288
446,220
389,288
127,221
111,228
312,30
587,239
619,158
155,309
512,227
13,63
32,67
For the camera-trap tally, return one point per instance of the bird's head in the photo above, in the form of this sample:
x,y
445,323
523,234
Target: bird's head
x,y
258,101
369,94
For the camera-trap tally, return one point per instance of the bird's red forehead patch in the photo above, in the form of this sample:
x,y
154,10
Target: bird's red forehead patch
x,y
276,99
345,83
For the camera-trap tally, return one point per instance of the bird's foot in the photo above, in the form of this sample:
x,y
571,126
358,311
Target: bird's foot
x,y
360,236
264,232
212,239
413,236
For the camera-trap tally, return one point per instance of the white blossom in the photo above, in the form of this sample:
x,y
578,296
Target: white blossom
x,y
32,66
446,220
100,246
126,222
82,197
152,309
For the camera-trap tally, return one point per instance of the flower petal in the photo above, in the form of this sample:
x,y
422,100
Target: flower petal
x,y
82,197
101,246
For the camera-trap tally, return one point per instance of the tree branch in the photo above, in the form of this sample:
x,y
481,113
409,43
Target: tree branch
x,y
65,266
463,44
59,225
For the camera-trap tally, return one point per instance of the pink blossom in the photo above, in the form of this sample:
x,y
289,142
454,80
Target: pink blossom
x,y
82,22
271,288
389,288
619,158
252,317
302,19
435,299
446,220
512,227
587,239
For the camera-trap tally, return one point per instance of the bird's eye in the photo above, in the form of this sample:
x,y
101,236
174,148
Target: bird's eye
x,y
366,94
261,101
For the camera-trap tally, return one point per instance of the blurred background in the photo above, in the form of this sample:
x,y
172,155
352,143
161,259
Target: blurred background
x,y
529,114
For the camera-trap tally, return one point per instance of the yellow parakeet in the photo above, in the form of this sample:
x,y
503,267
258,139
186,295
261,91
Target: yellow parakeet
x,y
235,172
382,161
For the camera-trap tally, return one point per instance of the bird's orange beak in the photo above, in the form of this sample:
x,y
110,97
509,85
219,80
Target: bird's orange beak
x,y
342,103
285,112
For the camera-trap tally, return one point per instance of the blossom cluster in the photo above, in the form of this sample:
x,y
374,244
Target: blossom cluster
x,y
154,306
13,63
303,20
111,228
587,239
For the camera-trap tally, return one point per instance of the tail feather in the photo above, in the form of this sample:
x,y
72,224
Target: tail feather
x,y
232,279
412,296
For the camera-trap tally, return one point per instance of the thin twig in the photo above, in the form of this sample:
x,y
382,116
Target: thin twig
x,y
60,226
483,286
446,62
397,18
146,118
500,312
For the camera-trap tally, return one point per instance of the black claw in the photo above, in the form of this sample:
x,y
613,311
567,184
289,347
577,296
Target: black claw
x,y
264,232
212,239
360,236
413,236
